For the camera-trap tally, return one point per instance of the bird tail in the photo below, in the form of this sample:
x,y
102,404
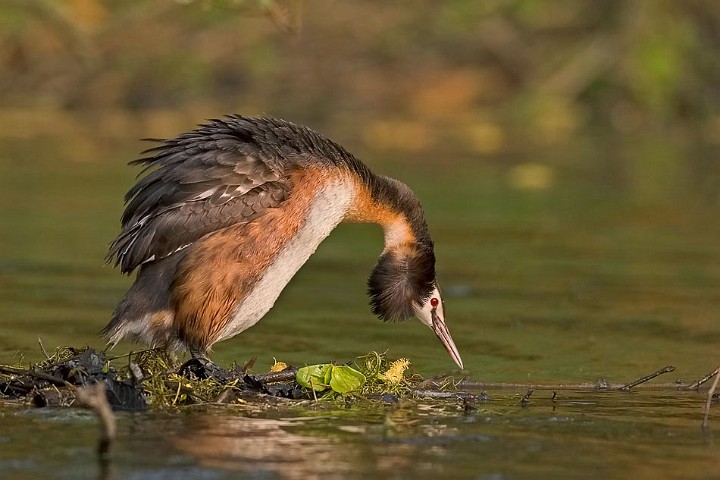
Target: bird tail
x,y
145,314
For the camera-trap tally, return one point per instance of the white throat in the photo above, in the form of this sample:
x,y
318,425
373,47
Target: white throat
x,y
326,212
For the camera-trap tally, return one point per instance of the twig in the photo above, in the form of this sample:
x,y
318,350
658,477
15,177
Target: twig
x,y
223,397
602,385
525,400
40,375
95,398
42,349
711,392
312,387
286,375
131,353
442,395
644,379
247,366
579,386
177,394
696,384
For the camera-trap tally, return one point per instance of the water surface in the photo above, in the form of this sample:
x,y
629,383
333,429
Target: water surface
x,y
597,260
588,435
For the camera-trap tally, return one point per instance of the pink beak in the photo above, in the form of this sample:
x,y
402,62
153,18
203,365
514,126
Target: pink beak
x,y
442,332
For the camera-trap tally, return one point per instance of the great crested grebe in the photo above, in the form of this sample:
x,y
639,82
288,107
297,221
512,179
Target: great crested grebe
x,y
232,210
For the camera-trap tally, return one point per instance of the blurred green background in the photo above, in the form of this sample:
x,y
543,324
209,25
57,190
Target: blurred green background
x,y
565,152
400,75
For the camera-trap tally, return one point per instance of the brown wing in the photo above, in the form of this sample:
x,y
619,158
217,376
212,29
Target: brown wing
x,y
205,180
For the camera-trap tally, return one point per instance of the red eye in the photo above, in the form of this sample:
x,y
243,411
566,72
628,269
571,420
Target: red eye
x,y
434,302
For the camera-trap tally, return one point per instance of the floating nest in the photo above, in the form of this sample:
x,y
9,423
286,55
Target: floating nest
x,y
156,379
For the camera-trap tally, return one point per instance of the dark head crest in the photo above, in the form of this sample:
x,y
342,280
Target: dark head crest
x,y
401,281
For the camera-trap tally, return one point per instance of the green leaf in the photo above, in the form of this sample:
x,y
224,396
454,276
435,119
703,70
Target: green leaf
x,y
316,377
328,373
346,379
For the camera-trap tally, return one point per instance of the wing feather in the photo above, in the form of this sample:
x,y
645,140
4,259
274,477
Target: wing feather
x,y
197,183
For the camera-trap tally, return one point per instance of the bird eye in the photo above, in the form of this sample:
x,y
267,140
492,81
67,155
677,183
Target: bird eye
x,y
434,302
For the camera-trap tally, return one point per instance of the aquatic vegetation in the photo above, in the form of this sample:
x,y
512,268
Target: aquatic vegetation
x,y
396,372
155,378
372,374
338,378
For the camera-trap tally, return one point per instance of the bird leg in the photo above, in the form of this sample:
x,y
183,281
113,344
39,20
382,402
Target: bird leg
x,y
202,367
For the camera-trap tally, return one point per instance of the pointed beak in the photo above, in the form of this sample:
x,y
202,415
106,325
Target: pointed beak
x,y
442,332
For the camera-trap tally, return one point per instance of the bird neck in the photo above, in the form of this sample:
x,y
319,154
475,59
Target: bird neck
x,y
393,206
405,271
397,232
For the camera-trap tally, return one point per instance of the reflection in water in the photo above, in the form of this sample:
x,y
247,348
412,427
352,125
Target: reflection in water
x,y
640,435
603,434
256,444
312,447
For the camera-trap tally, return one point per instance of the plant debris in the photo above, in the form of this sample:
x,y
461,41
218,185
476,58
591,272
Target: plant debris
x,y
154,378
54,381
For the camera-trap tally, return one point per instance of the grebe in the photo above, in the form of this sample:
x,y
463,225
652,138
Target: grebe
x,y
230,212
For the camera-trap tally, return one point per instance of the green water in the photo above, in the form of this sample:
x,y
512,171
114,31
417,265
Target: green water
x,y
598,436
597,260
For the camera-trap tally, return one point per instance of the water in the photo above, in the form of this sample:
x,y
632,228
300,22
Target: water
x,y
580,435
597,260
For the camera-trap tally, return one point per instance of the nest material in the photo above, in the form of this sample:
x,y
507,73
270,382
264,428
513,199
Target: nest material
x,y
154,378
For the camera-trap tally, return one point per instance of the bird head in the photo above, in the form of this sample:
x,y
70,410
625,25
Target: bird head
x,y
431,314
403,285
